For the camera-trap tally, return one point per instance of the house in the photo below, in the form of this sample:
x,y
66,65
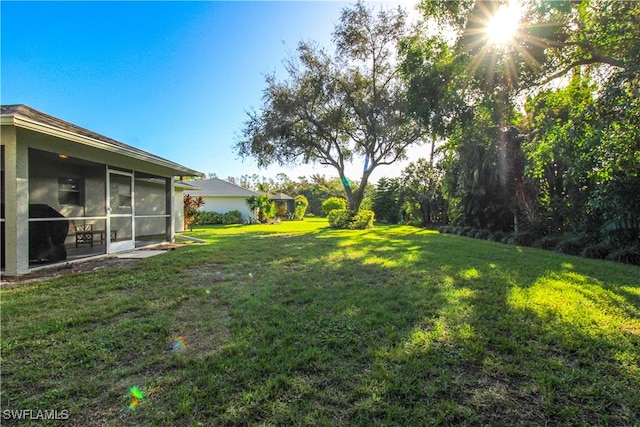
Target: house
x,y
69,193
222,196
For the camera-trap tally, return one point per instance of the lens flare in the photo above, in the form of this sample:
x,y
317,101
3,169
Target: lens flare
x,y
503,26
136,397
178,344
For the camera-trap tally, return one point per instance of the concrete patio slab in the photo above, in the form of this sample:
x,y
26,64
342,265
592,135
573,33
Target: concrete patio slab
x,y
139,254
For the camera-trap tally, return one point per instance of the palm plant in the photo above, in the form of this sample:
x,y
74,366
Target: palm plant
x,y
263,205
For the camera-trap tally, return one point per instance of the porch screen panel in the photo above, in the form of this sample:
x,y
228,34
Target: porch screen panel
x,y
151,213
95,190
67,208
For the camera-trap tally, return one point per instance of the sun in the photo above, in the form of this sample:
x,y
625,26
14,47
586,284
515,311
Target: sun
x,y
502,27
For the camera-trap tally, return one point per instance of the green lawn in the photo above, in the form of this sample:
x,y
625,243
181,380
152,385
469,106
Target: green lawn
x,y
299,324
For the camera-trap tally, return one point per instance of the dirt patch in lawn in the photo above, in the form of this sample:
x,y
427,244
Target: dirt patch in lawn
x,y
59,270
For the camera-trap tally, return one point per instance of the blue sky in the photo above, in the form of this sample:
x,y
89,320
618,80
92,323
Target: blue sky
x,y
172,78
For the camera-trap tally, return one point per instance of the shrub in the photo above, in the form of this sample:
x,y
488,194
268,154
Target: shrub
x,y
547,242
214,218
333,203
569,247
269,210
467,231
209,218
523,238
232,217
620,238
281,210
445,229
597,251
340,218
191,205
265,207
497,236
482,234
301,206
589,238
363,219
345,218
627,255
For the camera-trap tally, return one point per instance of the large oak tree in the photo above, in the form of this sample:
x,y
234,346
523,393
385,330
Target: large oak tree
x,y
341,107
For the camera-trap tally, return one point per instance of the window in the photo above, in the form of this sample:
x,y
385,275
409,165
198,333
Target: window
x,y
69,191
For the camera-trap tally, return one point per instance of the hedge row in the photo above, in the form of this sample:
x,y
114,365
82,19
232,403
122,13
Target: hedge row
x,y
212,218
609,246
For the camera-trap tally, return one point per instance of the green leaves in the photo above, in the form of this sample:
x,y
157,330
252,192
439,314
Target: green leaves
x,y
266,207
333,109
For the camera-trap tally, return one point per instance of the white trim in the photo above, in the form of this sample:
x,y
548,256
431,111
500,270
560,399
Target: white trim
x,y
126,245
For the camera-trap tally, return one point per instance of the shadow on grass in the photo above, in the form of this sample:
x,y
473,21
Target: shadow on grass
x,y
391,328
395,325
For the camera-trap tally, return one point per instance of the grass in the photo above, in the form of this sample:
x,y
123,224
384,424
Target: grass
x,y
299,324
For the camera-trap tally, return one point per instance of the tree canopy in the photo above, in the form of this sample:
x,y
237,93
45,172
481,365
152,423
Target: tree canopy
x,y
545,166
336,108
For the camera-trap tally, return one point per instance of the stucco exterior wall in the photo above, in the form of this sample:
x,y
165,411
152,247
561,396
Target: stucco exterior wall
x,y
226,204
16,203
178,210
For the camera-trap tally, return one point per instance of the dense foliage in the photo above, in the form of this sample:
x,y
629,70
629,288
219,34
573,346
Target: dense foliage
x,y
213,218
301,206
333,203
347,219
422,190
387,202
265,207
540,136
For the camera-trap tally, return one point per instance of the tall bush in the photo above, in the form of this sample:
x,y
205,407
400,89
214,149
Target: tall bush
x,y
232,217
301,206
386,200
333,203
191,205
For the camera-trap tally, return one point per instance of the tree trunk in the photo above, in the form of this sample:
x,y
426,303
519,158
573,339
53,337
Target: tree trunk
x,y
425,213
354,198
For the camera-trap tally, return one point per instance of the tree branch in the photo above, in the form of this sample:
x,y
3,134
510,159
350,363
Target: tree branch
x,y
595,59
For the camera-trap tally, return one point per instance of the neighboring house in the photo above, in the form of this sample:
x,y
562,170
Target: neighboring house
x,y
70,193
283,199
222,196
